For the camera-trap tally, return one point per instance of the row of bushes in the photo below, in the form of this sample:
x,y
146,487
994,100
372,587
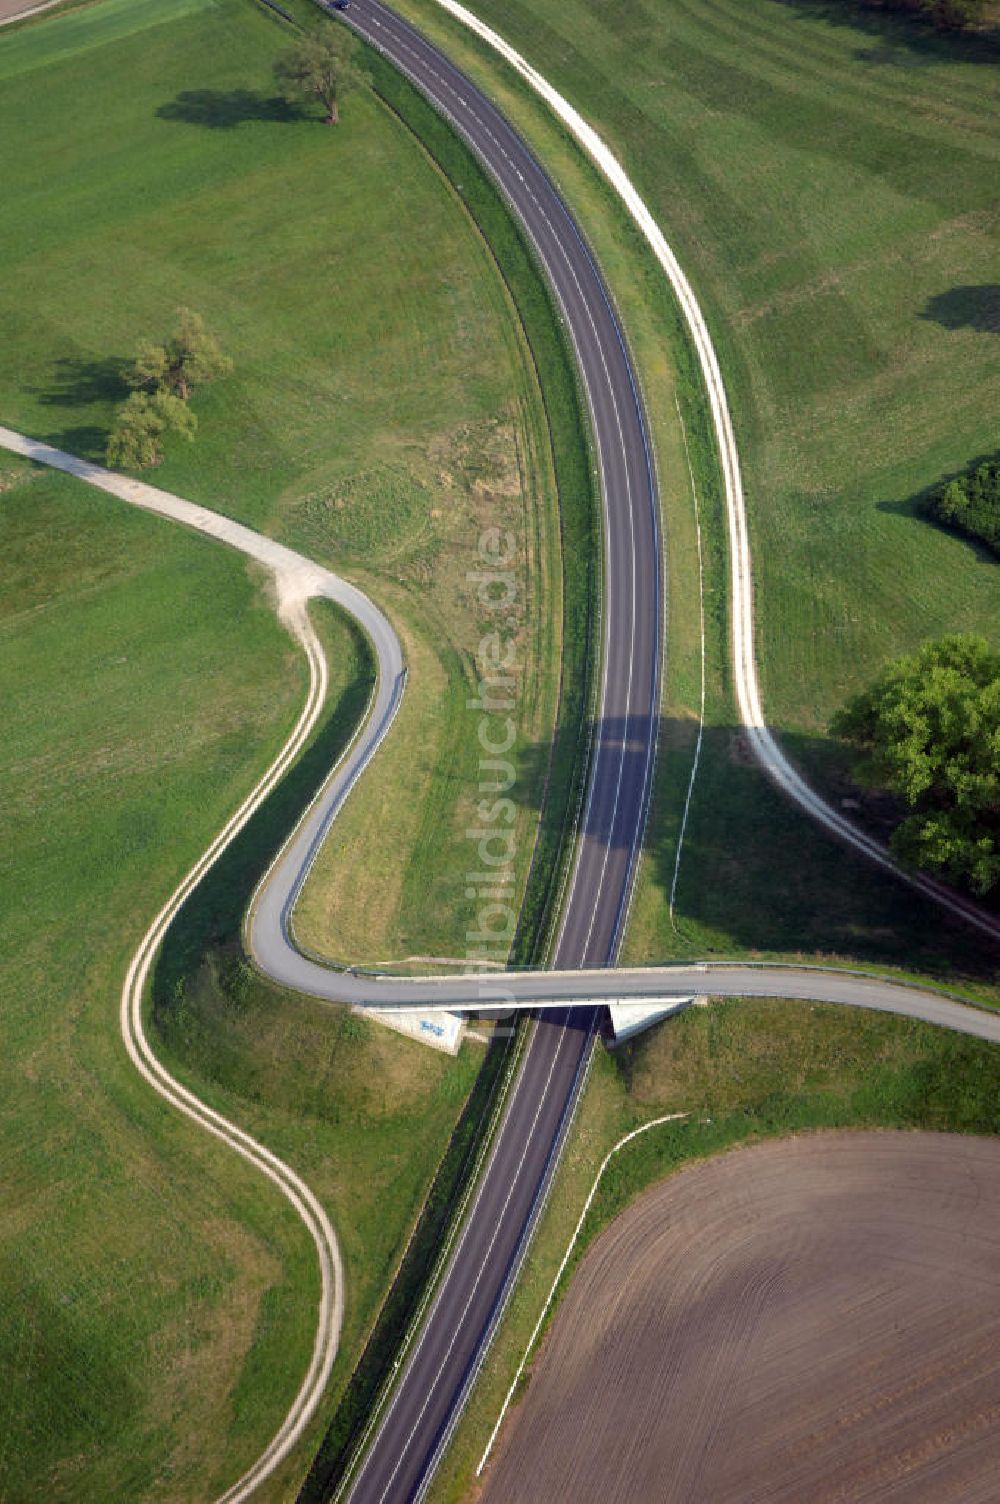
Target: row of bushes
x,y
971,504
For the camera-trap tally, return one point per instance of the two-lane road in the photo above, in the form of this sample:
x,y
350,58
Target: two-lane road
x,y
436,1378
411,1432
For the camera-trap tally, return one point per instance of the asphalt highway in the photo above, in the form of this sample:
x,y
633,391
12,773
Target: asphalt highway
x,y
441,1367
428,1397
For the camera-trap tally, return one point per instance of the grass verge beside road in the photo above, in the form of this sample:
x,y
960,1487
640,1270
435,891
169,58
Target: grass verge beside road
x,y
742,1071
755,876
384,407
383,410
562,612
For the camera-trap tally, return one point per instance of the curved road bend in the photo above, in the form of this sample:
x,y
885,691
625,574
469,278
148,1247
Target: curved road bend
x,y
468,1301
429,1395
442,1364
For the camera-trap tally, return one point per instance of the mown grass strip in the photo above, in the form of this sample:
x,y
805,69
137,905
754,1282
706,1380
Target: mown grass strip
x,y
756,877
578,501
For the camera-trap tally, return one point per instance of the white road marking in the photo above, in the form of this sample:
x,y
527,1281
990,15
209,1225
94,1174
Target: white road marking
x,y
670,1117
482,1269
767,751
637,835
701,711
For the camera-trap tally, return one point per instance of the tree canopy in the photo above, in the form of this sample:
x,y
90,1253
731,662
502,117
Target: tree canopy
x,y
929,729
190,357
947,15
141,422
317,67
162,378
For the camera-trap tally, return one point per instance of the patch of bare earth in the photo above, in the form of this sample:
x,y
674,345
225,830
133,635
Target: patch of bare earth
x,y
815,1319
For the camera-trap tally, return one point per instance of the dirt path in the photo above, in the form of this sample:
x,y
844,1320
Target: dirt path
x,y
765,746
296,580
814,1319
16,10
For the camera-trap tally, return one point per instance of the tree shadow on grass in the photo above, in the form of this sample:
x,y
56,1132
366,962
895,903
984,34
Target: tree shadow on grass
x,y
902,39
223,109
82,381
966,308
86,440
758,876
916,506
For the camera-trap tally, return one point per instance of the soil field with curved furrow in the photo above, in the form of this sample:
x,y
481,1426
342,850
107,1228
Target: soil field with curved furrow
x,y
816,1318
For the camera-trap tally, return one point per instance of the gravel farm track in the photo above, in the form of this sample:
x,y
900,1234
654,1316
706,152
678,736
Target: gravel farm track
x,y
471,1294
18,10
815,1318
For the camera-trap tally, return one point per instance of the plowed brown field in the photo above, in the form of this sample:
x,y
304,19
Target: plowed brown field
x,y
802,1322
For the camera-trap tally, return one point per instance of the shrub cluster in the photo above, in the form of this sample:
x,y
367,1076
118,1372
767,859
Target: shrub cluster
x,y
971,504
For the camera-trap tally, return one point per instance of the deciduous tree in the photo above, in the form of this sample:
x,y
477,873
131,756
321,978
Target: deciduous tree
x,y
953,15
929,729
140,423
971,504
191,357
318,67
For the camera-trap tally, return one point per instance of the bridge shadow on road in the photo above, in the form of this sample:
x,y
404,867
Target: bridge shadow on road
x,y
757,875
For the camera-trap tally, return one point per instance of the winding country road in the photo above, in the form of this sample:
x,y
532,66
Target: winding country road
x,y
443,1363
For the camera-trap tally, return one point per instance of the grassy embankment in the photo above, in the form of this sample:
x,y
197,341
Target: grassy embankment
x,y
826,188
383,411
136,1260
758,1067
377,363
743,1071
432,886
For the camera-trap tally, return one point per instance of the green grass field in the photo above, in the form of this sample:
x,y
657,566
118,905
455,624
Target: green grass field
x,y
742,1072
830,191
827,188
384,407
131,727
156,1298
155,1295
